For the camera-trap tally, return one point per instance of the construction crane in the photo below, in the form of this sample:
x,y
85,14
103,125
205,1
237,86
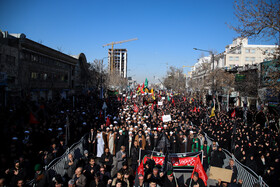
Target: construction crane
x,y
112,50
188,66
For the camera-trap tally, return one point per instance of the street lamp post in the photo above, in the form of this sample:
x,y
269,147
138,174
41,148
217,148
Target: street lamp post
x,y
212,60
101,76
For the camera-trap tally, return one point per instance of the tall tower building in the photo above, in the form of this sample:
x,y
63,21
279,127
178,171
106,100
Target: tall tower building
x,y
119,61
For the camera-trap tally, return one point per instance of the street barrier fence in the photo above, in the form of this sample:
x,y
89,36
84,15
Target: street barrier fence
x,y
56,166
248,176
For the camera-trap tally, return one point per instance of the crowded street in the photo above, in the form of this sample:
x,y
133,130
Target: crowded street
x,y
150,93
112,143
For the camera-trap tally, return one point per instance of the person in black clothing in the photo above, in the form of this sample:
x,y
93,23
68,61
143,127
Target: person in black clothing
x,y
107,159
154,176
251,163
90,170
206,155
134,156
103,176
217,158
232,167
174,142
16,173
168,180
119,141
194,181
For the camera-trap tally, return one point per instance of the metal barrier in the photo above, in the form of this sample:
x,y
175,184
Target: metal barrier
x,y
56,166
248,176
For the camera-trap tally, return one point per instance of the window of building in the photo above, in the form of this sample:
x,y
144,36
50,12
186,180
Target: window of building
x,y
252,58
45,76
34,75
231,58
237,58
34,58
247,59
247,50
252,50
10,59
26,56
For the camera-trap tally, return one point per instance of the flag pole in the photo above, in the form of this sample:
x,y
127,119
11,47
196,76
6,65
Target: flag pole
x,y
139,157
175,179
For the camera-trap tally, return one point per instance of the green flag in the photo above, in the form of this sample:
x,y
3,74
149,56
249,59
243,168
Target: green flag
x,y
146,83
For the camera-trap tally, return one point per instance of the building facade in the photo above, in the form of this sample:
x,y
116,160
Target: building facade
x,y
240,53
30,69
119,61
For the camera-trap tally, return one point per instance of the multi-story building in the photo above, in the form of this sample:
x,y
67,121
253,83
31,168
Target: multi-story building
x,y
119,61
199,73
30,69
240,53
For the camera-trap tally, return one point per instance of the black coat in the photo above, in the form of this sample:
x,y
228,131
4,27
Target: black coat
x,y
199,181
217,159
120,140
134,155
234,173
106,156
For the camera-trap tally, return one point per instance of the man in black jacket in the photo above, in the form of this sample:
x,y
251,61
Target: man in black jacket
x,y
134,156
217,158
232,167
90,170
195,181
107,159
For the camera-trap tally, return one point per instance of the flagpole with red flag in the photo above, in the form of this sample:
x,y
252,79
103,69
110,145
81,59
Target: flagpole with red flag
x,y
233,114
200,170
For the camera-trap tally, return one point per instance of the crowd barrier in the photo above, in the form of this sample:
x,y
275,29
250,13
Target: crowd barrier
x,y
248,176
56,166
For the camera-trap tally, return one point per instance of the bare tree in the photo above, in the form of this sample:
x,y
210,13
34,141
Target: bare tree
x,y
116,81
220,82
261,19
257,18
175,79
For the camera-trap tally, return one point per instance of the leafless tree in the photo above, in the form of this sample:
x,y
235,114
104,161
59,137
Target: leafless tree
x,y
116,81
257,18
248,85
261,19
175,80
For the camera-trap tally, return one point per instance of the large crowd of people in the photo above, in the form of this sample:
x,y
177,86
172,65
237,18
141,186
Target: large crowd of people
x,y
113,141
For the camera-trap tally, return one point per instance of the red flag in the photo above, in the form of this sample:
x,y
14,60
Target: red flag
x,y
152,106
184,98
140,169
173,101
143,86
32,119
199,169
198,110
135,108
125,99
194,110
233,114
119,98
108,122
